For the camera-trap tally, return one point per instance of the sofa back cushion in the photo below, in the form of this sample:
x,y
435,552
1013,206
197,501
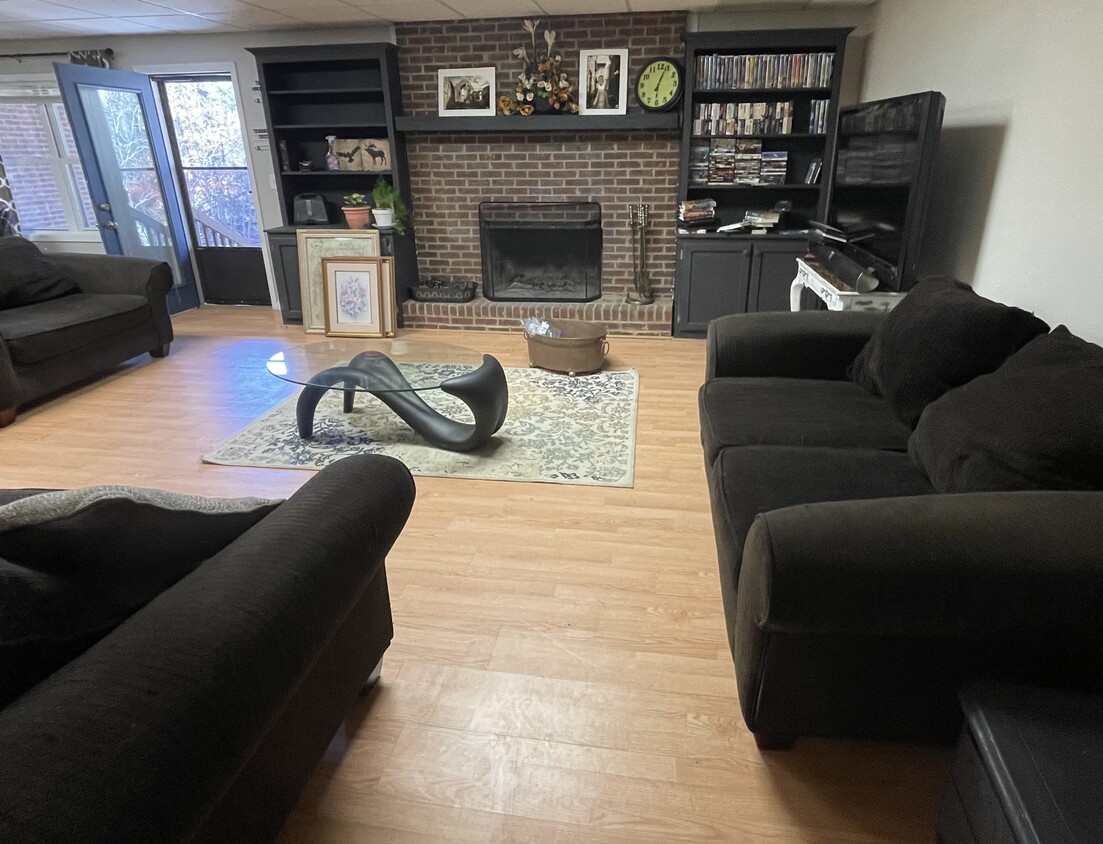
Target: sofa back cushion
x,y
27,276
76,563
1034,423
941,336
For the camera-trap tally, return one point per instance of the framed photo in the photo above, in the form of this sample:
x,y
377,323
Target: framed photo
x,y
316,244
466,92
390,308
354,297
603,81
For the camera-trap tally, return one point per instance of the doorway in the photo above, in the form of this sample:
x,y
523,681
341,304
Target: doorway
x,y
204,133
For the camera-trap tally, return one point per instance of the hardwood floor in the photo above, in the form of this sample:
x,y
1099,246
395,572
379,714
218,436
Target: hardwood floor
x,y
559,671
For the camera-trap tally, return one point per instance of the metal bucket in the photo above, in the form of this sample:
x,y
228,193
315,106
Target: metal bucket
x,y
580,350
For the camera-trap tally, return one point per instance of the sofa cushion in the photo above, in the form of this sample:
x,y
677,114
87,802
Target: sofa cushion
x,y
1034,423
794,411
45,621
128,542
27,276
941,336
36,333
749,480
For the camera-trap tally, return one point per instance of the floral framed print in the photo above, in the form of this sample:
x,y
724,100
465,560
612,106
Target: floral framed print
x,y
603,81
354,297
313,246
466,92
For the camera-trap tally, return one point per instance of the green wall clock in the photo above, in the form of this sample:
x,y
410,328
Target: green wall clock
x,y
659,84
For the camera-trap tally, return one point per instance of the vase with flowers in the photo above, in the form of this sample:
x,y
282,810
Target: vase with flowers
x,y
542,85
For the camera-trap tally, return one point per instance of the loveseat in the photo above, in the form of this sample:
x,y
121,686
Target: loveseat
x,y
202,713
901,503
67,317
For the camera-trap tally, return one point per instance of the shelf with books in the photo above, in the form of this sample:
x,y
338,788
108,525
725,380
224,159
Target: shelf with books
x,y
757,124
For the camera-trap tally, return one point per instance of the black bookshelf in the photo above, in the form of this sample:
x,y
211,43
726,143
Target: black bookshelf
x,y
727,74
347,90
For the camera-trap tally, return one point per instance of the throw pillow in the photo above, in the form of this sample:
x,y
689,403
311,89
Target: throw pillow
x,y
942,335
126,542
45,621
27,276
1035,423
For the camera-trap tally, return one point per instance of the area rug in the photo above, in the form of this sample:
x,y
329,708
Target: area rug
x,y
559,429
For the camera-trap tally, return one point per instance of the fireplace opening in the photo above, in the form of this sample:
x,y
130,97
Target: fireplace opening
x,y
541,251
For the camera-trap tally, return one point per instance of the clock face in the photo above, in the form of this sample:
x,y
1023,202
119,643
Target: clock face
x,y
659,85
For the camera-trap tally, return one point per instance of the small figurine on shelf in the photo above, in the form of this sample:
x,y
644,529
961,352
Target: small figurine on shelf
x,y
332,161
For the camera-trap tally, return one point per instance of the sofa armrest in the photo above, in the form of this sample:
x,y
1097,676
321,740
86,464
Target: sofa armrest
x,y
979,566
137,739
120,274
805,344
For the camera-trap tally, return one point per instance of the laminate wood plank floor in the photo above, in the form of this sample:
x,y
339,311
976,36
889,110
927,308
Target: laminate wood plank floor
x,y
559,671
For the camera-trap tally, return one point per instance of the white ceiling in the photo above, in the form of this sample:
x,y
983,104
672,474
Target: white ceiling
x,y
60,18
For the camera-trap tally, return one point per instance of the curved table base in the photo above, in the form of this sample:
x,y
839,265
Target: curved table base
x,y
483,390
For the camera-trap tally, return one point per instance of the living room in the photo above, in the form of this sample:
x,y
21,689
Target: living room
x,y
568,678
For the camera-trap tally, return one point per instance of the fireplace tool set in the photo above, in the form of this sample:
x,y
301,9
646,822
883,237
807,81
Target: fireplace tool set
x,y
640,216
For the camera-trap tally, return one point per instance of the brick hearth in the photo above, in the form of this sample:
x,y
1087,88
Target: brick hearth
x,y
450,174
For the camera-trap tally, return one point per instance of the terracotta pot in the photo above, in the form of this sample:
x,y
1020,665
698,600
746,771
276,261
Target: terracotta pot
x,y
358,217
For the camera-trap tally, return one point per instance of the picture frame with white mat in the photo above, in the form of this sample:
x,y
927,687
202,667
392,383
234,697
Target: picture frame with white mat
x,y
316,244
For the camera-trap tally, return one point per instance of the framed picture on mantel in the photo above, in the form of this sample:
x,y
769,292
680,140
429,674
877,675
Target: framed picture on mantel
x,y
466,92
603,81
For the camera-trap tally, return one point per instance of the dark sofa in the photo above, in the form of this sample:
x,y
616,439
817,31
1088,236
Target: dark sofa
x,y
92,313
863,584
201,716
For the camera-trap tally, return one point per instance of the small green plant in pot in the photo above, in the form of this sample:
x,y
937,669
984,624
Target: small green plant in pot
x,y
390,210
357,210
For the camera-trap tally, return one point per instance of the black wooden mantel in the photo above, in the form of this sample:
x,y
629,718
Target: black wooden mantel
x,y
637,122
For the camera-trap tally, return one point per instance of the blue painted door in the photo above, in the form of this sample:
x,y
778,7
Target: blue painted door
x,y
122,150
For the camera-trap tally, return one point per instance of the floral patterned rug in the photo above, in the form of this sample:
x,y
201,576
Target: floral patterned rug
x,y
559,429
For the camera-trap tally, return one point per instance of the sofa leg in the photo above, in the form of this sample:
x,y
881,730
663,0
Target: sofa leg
x,y
373,678
160,351
766,740
7,416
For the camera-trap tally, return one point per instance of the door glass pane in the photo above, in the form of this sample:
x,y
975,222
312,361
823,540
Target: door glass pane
x,y
211,152
121,141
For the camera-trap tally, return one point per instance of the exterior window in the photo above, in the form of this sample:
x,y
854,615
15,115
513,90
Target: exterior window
x,y
40,157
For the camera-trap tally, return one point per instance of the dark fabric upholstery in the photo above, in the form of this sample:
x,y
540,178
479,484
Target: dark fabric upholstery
x,y
129,549
1035,423
750,480
45,621
805,344
124,332
51,329
794,411
141,737
939,337
835,640
27,276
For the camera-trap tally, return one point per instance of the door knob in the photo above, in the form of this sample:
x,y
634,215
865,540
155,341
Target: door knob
x,y
103,206
109,225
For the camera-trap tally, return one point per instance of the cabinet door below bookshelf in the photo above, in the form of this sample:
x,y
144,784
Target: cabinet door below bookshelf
x,y
712,279
772,272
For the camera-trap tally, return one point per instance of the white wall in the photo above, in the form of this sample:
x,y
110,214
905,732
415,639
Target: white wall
x,y
184,51
1018,210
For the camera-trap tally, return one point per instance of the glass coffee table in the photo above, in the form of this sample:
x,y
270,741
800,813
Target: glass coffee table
x,y
386,369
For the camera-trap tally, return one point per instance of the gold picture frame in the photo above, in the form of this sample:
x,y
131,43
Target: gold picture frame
x,y
313,246
354,297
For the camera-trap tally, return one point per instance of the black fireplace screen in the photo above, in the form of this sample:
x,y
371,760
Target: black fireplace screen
x,y
541,251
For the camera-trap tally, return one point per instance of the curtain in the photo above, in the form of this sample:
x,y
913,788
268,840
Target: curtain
x,y
9,220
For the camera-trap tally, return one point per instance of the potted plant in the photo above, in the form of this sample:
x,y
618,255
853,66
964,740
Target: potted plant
x,y
390,211
357,210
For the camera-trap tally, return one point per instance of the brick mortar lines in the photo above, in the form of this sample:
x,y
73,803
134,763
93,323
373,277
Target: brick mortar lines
x,y
451,174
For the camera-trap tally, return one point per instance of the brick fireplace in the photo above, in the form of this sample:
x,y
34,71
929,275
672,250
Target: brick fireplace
x,y
450,174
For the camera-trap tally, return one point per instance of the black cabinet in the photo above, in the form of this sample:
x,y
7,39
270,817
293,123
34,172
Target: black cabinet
x,y
716,275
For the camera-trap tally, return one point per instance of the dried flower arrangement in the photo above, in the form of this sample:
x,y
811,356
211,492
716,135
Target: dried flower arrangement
x,y
542,84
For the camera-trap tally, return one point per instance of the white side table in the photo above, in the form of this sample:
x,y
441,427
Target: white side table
x,y
838,295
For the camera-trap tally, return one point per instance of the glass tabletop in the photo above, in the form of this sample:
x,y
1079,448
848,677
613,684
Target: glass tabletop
x,y
381,366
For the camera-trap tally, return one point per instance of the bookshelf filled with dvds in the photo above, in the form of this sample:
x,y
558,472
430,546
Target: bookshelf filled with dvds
x,y
758,124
